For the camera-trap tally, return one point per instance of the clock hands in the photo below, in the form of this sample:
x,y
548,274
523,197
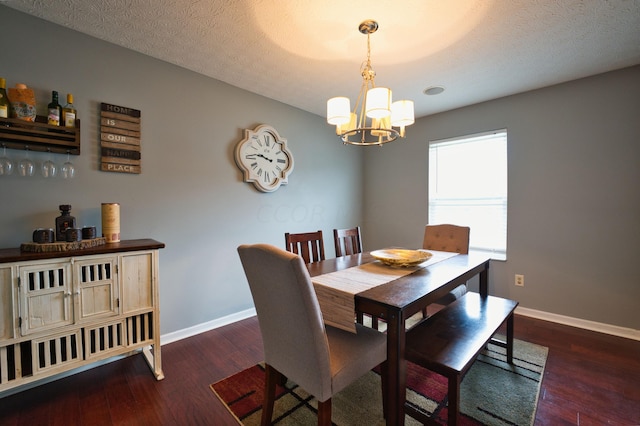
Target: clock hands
x,y
262,156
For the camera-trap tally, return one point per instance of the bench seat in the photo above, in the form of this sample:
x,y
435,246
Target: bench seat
x,y
449,341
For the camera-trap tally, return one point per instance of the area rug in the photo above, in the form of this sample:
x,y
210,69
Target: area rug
x,y
492,393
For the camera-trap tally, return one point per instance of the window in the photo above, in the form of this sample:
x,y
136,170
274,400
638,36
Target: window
x,y
468,186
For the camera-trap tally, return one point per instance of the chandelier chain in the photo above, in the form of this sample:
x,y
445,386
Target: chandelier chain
x,y
367,71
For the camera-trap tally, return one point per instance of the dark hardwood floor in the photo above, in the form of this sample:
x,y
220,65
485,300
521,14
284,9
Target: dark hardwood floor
x,y
590,379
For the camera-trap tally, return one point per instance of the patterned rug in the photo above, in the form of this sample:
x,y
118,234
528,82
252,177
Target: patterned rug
x,y
493,393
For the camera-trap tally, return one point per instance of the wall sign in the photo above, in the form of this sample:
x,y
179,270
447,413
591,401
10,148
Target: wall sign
x,y
120,139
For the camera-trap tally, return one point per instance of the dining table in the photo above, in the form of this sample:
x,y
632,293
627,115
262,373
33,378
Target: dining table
x,y
399,299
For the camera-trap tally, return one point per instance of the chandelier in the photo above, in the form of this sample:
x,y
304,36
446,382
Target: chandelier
x,y
374,116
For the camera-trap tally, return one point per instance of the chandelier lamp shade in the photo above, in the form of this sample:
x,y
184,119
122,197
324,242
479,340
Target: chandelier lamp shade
x,y
375,119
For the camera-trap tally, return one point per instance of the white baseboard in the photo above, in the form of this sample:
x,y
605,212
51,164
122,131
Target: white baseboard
x,y
210,325
614,330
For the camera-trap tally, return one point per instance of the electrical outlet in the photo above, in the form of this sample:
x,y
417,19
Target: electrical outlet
x,y
520,280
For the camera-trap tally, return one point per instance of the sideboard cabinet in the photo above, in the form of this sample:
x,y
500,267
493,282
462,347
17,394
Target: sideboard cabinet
x,y
63,310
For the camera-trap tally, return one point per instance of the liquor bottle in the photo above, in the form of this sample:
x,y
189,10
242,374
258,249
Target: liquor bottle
x,y
5,105
69,113
54,110
64,222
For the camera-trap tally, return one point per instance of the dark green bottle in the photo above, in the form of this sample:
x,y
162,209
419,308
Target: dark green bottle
x,y
54,110
5,105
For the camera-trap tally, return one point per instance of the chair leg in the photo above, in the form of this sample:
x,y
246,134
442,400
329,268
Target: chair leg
x,y
324,413
383,378
272,377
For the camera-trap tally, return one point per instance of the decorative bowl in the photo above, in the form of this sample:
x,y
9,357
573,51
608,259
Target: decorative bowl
x,y
401,257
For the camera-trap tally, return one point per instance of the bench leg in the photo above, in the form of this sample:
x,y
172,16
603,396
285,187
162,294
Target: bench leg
x,y
454,400
510,339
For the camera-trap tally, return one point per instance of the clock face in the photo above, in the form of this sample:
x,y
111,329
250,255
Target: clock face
x,y
264,158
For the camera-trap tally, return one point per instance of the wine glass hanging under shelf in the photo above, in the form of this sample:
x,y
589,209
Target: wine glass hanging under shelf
x,y
39,136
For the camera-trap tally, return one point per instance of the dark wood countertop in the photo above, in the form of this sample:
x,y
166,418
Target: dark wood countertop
x,y
16,255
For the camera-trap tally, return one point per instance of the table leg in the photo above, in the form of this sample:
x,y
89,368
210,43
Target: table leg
x,y
484,280
397,370
510,339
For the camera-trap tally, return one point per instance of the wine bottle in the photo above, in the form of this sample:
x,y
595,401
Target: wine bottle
x,y
54,110
69,112
5,105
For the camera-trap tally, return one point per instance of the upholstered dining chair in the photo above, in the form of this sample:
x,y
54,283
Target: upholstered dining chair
x,y
347,241
309,245
321,359
452,238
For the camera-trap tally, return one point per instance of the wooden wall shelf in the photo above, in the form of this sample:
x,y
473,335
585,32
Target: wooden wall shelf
x,y
39,136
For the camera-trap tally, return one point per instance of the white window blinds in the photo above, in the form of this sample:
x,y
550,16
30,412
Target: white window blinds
x,y
468,187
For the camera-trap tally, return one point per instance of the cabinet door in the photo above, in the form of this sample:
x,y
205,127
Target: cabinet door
x,y
96,286
45,296
6,304
137,275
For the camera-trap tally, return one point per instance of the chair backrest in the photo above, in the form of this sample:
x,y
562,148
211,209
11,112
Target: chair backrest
x,y
309,245
447,237
291,323
347,241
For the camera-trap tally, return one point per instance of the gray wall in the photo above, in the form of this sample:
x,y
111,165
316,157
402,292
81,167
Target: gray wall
x,y
190,194
574,169
574,193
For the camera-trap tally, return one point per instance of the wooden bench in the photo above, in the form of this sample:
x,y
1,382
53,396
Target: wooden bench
x,y
449,341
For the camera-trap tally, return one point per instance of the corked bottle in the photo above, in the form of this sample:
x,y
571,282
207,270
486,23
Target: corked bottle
x,y
5,105
54,114
69,113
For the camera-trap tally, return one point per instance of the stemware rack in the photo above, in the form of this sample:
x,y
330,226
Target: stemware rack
x,y
39,136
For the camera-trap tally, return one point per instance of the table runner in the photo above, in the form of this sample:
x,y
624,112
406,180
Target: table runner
x,y
336,290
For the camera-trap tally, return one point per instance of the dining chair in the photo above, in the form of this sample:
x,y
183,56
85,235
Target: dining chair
x,y
309,245
321,359
347,241
451,238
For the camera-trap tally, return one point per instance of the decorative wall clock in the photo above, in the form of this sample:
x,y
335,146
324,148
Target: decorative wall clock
x,y
264,158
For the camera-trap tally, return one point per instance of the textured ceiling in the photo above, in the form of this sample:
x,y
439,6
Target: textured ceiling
x,y
301,52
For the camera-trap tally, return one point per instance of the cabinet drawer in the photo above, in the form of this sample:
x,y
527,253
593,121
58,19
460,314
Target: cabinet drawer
x,y
10,364
56,352
140,329
103,339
